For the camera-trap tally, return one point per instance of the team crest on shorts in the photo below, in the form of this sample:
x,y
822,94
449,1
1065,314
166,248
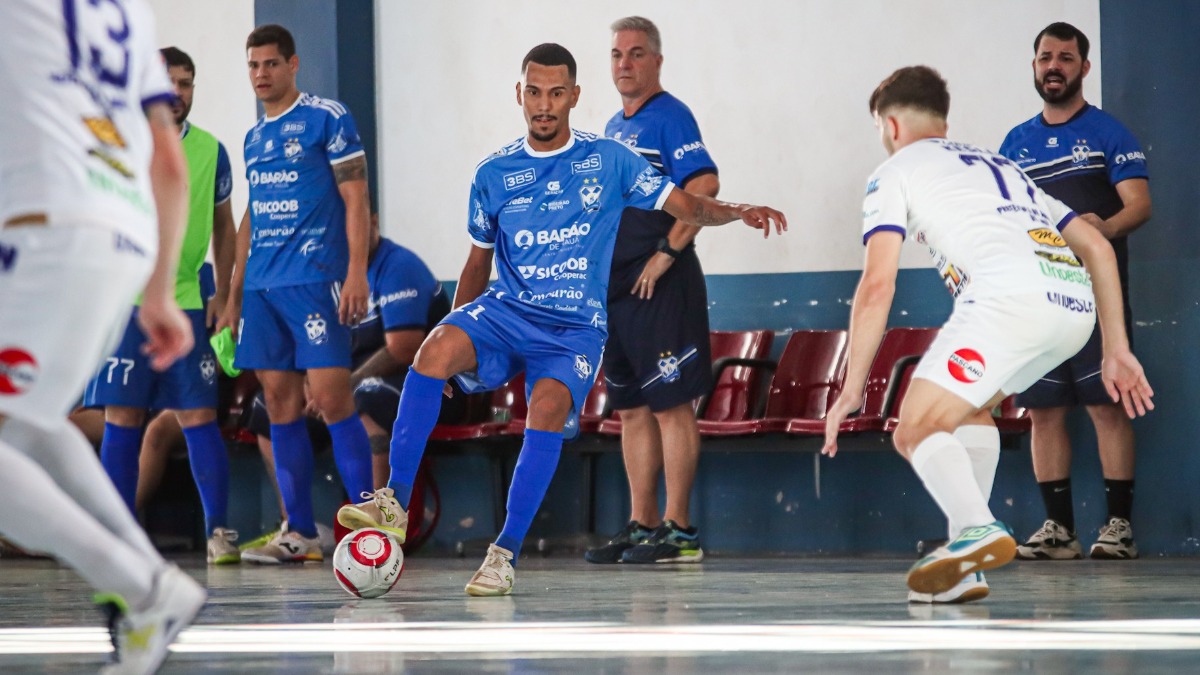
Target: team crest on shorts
x,y
583,367
315,327
18,371
668,367
208,368
966,365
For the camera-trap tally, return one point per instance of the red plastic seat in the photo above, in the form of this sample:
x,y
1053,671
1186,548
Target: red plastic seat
x,y
1012,419
507,405
245,387
807,380
898,353
595,407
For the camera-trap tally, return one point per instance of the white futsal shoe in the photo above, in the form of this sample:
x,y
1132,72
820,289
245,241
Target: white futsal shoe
x,y
495,576
141,637
380,510
973,587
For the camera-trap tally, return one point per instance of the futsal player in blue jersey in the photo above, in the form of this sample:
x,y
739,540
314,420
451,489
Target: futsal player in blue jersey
x,y
1087,159
546,208
300,278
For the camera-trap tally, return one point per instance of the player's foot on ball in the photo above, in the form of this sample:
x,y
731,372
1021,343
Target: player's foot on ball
x,y
975,549
286,546
1052,542
495,576
141,636
221,548
380,510
973,587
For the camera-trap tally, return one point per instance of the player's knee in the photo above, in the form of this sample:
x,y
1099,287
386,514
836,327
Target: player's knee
x,y
1108,416
636,416
1048,417
122,416
196,417
910,432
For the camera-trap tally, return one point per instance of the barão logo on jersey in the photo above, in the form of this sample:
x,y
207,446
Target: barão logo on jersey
x,y
273,178
1129,157
686,148
406,294
571,268
563,235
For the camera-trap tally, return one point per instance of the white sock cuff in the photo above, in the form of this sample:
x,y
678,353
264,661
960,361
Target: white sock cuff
x,y
978,436
932,443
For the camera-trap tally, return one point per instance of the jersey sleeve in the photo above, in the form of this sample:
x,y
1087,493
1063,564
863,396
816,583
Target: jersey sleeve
x,y
404,294
154,86
642,186
342,141
481,224
1060,214
224,186
684,155
885,206
1125,157
1006,147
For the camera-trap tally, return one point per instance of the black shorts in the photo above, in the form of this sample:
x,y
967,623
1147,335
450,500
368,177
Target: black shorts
x,y
1074,382
658,353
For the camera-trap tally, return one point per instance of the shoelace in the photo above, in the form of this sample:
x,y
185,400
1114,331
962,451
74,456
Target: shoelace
x,y
228,535
491,565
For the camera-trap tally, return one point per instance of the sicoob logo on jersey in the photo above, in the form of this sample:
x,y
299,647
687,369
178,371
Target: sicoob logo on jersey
x,y
966,365
18,371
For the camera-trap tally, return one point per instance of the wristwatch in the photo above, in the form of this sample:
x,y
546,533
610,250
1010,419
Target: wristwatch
x,y
664,246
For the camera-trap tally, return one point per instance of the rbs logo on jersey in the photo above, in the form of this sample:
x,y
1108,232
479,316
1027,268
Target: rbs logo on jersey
x,y
279,178
571,268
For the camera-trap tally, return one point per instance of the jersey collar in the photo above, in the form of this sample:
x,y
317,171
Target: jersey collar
x,y
1079,113
643,105
184,129
285,112
549,153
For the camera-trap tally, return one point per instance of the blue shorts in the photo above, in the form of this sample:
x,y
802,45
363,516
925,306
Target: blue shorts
x,y
292,328
507,343
126,378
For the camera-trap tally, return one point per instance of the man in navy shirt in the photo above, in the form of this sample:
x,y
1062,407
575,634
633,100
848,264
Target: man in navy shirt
x,y
657,359
546,207
1084,157
300,279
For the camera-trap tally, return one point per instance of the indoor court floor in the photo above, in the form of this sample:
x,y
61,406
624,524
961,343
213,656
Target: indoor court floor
x,y
726,615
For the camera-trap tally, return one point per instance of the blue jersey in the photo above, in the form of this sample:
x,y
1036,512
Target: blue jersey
x,y
297,216
665,132
1080,161
403,295
553,218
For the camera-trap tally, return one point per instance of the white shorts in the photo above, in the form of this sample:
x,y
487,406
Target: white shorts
x,y
65,297
1005,344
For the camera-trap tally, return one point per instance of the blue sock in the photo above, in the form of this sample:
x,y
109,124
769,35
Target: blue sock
x,y
531,478
352,453
210,469
420,403
119,452
294,472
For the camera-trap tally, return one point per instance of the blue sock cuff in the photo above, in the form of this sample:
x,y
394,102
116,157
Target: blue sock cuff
x,y
123,435
543,441
298,426
341,427
423,385
199,429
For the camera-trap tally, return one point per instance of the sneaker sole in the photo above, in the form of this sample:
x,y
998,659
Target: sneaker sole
x,y
227,559
268,560
941,575
1102,554
354,519
483,592
1035,555
970,595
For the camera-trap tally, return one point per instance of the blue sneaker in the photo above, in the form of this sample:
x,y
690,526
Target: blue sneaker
x,y
669,543
974,550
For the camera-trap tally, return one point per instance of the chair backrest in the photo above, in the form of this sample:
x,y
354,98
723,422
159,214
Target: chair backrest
x,y
898,344
595,406
736,391
508,401
1009,410
809,375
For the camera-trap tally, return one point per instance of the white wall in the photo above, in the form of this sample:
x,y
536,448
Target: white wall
x,y
779,88
213,33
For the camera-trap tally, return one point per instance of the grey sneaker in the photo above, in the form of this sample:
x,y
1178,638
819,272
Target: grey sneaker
x,y
285,546
221,548
1115,542
495,576
1051,542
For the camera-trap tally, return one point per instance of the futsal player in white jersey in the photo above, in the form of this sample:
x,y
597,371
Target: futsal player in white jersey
x,y
1011,256
92,206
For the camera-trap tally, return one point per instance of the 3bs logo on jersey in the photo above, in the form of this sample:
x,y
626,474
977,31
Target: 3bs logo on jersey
x,y
966,365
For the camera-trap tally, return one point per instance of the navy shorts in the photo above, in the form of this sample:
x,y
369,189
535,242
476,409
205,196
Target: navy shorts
x,y
507,343
1074,382
658,352
126,378
292,328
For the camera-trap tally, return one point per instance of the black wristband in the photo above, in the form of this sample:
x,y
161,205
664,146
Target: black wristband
x,y
664,246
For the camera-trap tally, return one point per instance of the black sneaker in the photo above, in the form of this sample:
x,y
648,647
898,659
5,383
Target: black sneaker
x,y
669,543
631,535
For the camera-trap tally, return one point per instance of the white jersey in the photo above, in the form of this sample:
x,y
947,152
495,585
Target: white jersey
x,y
75,145
990,230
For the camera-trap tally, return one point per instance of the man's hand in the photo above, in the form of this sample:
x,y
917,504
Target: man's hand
x,y
760,218
231,314
215,310
1126,383
353,305
656,266
168,332
845,404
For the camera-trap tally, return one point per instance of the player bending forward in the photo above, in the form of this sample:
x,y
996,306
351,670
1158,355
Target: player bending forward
x,y
1010,255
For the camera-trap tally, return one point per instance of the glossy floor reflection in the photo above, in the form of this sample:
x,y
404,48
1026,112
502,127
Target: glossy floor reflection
x,y
726,615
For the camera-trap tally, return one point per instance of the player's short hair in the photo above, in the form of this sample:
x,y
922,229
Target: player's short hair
x,y
273,34
916,87
1061,30
176,57
550,54
640,23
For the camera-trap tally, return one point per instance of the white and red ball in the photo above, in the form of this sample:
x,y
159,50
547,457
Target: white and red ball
x,y
367,563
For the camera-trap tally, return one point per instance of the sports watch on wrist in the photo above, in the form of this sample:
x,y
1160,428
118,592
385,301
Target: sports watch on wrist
x,y
664,246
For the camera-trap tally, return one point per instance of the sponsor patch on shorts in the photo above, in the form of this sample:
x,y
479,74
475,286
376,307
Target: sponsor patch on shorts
x,y
966,365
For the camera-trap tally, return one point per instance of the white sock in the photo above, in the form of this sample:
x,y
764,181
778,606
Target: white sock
x,y
944,467
982,442
71,462
37,514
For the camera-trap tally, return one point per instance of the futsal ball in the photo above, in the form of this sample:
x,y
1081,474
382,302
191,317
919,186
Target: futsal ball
x,y
367,563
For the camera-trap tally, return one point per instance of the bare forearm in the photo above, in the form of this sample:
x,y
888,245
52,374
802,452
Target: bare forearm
x,y
241,254
471,284
381,364
868,321
1101,264
681,233
1124,221
168,178
351,177
224,245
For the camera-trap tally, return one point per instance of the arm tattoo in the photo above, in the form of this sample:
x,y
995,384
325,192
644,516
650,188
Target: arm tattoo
x,y
352,169
706,213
